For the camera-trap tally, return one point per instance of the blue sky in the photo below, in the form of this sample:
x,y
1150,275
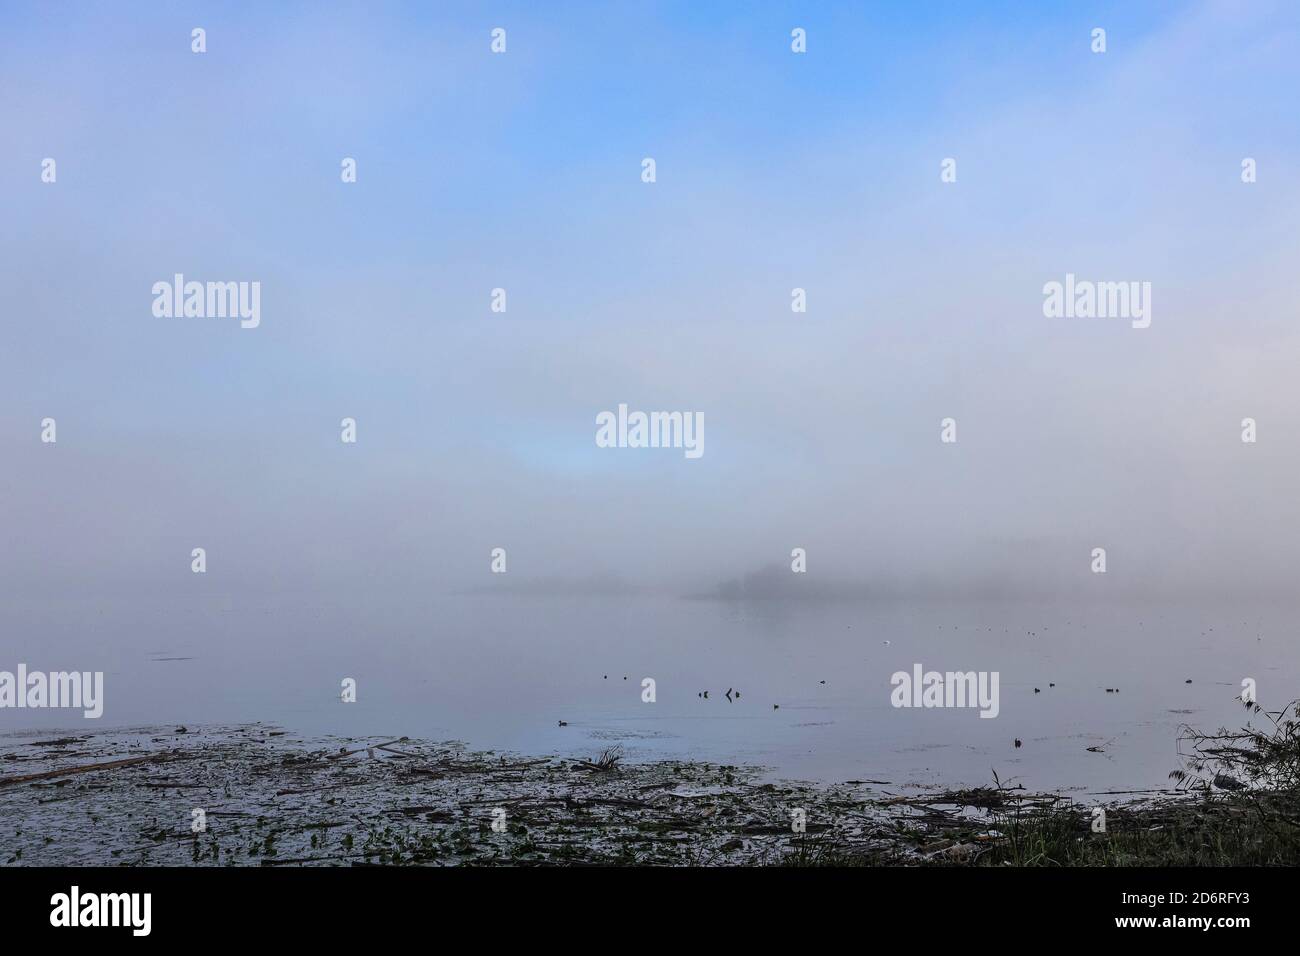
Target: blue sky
x,y
521,171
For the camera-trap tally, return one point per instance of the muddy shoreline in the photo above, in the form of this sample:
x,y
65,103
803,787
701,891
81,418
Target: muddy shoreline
x,y
256,795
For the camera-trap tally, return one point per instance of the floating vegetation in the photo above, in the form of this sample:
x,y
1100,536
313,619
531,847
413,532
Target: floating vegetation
x,y
254,795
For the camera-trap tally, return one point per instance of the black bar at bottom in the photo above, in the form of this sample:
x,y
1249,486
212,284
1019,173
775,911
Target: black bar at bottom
x,y
334,905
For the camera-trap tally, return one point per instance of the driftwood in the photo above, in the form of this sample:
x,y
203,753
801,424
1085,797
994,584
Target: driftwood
x,y
396,752
331,786
84,768
348,753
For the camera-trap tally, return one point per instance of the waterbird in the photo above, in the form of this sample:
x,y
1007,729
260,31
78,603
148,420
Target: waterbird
x,y
1017,743
564,723
776,706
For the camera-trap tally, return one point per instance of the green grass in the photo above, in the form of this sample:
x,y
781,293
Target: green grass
x,y
1228,830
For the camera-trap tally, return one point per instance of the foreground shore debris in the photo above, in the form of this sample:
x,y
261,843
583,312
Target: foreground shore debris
x,y
264,797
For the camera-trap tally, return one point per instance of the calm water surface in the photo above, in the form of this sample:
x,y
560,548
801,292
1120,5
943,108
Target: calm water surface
x,y
500,672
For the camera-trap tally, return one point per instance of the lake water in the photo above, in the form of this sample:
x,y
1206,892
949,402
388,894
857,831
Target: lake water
x,y
500,672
